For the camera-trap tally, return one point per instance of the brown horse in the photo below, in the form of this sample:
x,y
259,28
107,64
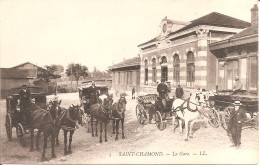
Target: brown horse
x,y
118,114
46,122
68,122
101,112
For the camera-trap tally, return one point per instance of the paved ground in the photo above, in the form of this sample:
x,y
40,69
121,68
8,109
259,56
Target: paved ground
x,y
209,145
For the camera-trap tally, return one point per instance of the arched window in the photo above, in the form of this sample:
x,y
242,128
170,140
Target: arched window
x,y
190,69
176,70
164,69
154,70
146,72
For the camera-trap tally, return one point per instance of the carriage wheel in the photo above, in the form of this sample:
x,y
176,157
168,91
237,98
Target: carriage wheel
x,y
214,120
141,114
20,134
226,117
8,127
161,125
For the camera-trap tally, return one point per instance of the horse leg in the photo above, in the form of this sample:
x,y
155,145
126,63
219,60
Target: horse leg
x,y
106,131
117,125
182,125
186,129
173,123
32,135
91,120
96,127
65,142
71,134
191,131
57,138
101,129
53,137
44,147
113,125
122,123
37,140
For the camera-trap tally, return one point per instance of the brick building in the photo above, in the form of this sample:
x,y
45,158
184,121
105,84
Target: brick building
x,y
180,53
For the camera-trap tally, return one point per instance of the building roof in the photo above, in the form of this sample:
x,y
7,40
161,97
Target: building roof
x,y
247,32
127,63
17,73
17,66
213,19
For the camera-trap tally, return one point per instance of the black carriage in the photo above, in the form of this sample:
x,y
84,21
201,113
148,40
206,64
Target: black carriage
x,y
85,94
223,102
13,114
150,107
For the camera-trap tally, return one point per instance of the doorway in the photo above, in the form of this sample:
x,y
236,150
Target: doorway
x,y
164,73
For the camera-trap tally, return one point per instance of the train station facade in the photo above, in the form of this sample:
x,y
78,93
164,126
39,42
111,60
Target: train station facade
x,y
180,53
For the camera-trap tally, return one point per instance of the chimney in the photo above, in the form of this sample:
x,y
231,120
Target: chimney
x,y
254,16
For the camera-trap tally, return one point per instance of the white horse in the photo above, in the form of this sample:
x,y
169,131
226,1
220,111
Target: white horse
x,y
187,111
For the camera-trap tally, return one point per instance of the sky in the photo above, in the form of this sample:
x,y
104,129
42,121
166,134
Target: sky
x,y
94,32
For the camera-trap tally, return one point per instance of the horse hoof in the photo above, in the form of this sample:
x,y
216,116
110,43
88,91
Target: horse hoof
x,y
65,153
190,137
54,156
92,135
100,141
43,159
38,149
96,135
186,140
31,149
113,132
123,137
105,140
116,138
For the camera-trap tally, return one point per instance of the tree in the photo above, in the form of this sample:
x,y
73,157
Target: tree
x,y
49,73
77,70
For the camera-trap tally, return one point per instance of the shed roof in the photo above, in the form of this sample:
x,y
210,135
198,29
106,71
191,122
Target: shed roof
x,y
127,63
17,73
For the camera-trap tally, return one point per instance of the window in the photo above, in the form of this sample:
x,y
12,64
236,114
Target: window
x,y
176,70
232,71
190,69
146,72
118,77
253,82
164,69
154,70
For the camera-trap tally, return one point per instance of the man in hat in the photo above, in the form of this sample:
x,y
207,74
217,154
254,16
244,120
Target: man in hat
x,y
179,92
237,85
25,96
133,93
93,93
237,117
162,90
168,88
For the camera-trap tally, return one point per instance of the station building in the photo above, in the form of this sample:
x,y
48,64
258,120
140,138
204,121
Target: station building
x,y
180,53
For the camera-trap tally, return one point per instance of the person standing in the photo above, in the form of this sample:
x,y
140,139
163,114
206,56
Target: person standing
x,y
169,89
237,85
25,96
133,93
179,92
237,117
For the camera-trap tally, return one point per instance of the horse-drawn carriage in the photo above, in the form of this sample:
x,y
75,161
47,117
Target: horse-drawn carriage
x,y
222,102
14,118
150,107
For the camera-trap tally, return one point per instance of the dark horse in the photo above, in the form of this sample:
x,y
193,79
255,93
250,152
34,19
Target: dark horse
x,y
46,122
118,114
68,120
101,112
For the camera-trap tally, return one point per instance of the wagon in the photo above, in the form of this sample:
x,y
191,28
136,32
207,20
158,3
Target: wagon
x,y
150,107
223,103
13,114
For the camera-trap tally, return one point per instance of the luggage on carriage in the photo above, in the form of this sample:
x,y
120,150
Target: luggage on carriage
x,y
14,118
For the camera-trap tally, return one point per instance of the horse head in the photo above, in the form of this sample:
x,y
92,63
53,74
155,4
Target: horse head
x,y
54,108
76,113
108,103
121,107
